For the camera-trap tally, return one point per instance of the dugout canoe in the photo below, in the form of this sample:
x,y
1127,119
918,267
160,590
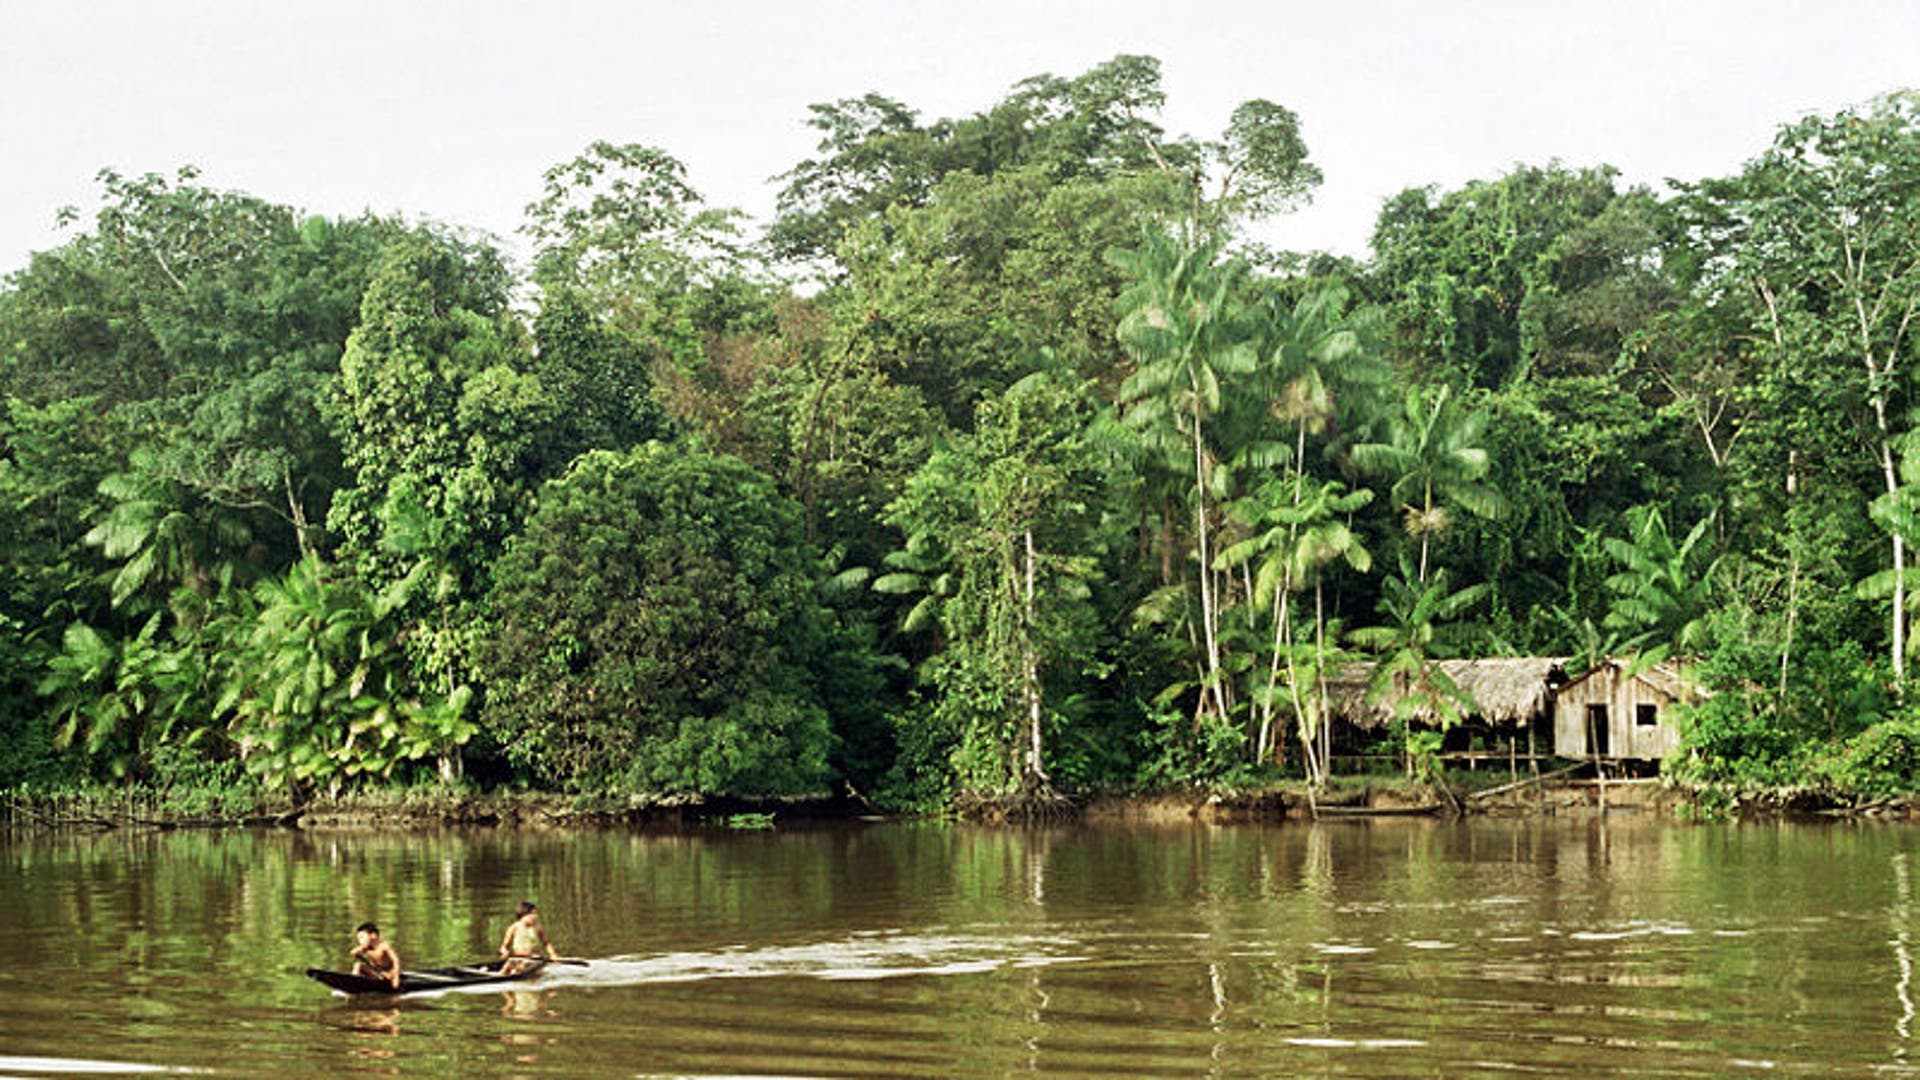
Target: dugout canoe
x,y
474,974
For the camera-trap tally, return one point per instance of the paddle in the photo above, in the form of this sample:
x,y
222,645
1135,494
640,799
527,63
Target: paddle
x,y
544,959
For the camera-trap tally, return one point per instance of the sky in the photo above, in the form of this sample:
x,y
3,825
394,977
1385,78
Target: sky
x,y
451,111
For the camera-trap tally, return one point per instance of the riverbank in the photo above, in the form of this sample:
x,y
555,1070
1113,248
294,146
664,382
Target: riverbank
x,y
405,808
1346,797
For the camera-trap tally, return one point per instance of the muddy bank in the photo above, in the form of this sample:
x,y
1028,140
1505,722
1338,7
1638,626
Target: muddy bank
x,y
1346,798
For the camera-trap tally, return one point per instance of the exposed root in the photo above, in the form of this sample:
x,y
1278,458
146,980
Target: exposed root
x,y
1034,804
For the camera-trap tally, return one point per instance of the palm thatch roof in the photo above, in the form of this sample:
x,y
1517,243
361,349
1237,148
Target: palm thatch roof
x,y
1506,691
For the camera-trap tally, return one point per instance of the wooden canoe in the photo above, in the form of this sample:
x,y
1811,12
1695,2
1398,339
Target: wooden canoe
x,y
1380,811
474,974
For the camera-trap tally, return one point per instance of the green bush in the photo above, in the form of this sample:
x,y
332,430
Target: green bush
x,y
1880,762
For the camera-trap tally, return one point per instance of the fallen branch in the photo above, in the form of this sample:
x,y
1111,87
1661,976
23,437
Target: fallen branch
x,y
1488,792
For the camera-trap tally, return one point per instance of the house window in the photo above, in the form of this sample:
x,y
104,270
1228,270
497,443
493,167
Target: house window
x,y
1646,716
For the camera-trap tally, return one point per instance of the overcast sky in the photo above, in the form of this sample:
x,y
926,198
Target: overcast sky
x,y
452,110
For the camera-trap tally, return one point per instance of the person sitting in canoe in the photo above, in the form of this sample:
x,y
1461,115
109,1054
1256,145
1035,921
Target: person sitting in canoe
x,y
523,937
374,958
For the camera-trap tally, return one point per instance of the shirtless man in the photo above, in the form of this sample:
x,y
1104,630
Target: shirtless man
x,y
523,937
374,958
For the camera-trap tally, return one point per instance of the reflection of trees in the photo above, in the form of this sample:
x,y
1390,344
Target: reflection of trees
x,y
1903,948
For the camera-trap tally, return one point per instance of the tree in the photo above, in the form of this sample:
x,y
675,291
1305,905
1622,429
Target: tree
x,y
1434,458
621,220
211,322
1663,592
1317,364
956,297
1010,511
1422,626
1183,327
1302,532
436,410
319,688
876,154
652,627
1824,229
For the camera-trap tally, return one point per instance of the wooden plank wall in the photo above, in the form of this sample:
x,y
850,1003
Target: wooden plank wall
x,y
1627,738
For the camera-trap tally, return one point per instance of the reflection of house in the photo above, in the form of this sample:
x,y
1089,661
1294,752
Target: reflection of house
x,y
1608,713
1512,696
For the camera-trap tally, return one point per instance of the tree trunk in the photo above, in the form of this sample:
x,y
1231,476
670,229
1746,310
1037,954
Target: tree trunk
x,y
1036,771
1899,553
1208,615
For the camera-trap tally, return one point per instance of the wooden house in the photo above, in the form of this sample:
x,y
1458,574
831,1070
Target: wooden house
x,y
1610,713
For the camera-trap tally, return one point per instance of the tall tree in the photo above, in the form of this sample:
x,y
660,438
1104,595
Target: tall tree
x,y
1824,228
1183,325
1012,509
441,420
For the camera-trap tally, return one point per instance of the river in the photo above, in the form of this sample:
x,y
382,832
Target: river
x,y
1407,948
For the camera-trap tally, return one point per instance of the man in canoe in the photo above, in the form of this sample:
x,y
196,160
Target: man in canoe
x,y
523,937
374,958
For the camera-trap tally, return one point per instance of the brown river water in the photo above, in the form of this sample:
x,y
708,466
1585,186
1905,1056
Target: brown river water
x,y
1384,948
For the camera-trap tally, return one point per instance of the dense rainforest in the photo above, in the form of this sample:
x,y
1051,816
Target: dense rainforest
x,y
1002,463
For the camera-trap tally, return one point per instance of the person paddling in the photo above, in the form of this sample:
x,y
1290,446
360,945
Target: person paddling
x,y
523,937
374,958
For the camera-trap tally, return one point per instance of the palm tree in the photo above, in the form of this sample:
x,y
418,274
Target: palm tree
x,y
161,541
1303,533
1422,624
1433,452
1186,334
1314,350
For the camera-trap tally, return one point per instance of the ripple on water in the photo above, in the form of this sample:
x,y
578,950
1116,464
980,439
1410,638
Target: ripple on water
x,y
61,1066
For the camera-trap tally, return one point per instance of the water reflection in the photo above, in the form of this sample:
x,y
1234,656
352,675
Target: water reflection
x,y
528,1004
1545,946
375,1021
1903,948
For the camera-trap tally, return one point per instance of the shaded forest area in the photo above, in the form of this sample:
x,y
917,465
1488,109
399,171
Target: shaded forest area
x,y
1000,466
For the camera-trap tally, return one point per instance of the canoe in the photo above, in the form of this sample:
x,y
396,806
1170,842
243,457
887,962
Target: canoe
x,y
474,974
1379,811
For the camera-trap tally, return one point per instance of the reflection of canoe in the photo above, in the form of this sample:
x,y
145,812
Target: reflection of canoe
x,y
1379,811
475,974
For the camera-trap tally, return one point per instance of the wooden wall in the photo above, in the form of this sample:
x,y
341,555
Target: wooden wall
x,y
1626,736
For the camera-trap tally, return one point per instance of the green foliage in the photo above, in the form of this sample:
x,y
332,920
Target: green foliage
x,y
1662,592
1180,751
1433,456
320,690
274,514
955,297
599,381
876,154
1881,762
652,626
1424,621
119,701
621,219
1001,536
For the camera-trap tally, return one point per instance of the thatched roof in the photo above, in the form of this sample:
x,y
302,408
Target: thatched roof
x,y
1508,691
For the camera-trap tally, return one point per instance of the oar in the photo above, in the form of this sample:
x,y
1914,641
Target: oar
x,y
544,959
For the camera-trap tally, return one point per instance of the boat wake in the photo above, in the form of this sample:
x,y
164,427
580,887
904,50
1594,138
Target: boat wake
x,y
882,955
